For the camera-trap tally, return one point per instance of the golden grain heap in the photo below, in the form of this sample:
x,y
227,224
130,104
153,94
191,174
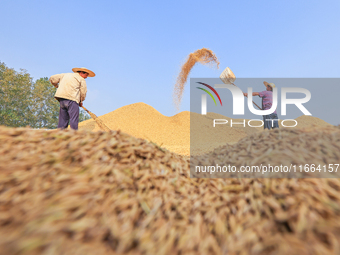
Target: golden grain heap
x,y
143,121
173,133
81,192
203,56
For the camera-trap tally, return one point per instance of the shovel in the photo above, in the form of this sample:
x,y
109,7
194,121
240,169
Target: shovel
x,y
99,121
228,77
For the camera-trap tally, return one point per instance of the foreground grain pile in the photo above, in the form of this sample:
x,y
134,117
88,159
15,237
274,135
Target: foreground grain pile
x,y
99,188
67,192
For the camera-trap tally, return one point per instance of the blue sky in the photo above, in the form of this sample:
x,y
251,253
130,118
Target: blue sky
x,y
136,48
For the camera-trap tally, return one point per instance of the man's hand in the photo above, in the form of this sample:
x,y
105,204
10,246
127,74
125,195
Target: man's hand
x,y
80,104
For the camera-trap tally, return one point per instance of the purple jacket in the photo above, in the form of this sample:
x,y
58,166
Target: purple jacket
x,y
267,99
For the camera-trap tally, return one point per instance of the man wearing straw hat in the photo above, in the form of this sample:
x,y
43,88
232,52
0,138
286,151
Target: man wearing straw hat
x,y
71,92
271,120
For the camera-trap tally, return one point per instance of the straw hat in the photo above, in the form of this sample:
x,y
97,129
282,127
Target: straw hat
x,y
91,74
272,85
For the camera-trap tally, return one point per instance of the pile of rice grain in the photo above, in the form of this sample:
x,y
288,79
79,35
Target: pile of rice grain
x,y
68,192
173,133
143,121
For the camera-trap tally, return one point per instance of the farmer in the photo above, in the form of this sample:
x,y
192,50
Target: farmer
x,y
71,92
267,101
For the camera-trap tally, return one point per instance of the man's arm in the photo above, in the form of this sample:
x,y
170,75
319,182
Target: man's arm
x,y
254,94
55,79
83,91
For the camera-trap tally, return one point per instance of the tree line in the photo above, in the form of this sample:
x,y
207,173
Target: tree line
x,y
24,102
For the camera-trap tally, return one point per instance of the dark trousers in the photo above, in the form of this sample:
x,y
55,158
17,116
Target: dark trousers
x,y
69,112
271,121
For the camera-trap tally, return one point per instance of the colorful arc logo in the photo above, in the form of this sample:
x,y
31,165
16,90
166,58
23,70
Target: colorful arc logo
x,y
209,92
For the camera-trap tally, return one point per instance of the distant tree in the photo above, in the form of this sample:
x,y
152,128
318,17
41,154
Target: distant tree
x,y
15,97
45,108
27,103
